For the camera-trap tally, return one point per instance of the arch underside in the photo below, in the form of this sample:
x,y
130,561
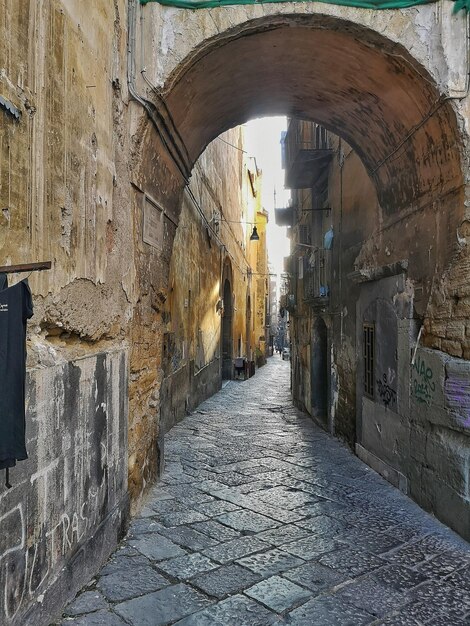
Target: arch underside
x,y
347,78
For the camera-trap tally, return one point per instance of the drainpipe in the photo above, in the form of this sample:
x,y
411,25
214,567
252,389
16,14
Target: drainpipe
x,y
152,111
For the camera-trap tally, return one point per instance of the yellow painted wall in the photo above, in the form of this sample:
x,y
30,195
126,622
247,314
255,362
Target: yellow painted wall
x,y
213,242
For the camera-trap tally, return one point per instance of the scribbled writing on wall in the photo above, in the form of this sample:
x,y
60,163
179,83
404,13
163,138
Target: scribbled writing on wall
x,y
24,568
72,488
423,384
387,394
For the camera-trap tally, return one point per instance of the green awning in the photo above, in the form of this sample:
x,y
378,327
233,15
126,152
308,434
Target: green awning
x,y
362,4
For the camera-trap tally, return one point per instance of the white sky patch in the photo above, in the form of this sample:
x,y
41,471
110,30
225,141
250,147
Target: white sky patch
x,y
262,140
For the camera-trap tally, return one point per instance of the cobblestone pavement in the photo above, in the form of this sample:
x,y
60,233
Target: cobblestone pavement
x,y
262,518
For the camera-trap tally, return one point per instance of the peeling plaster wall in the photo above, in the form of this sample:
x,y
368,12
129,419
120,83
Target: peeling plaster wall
x,y
62,67
434,36
64,197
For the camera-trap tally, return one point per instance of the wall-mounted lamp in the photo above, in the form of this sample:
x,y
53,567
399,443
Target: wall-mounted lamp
x,y
254,235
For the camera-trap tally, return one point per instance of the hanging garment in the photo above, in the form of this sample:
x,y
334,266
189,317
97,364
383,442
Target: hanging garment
x,y
16,307
3,281
328,239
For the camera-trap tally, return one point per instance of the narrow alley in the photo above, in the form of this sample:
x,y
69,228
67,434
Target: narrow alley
x,y
260,517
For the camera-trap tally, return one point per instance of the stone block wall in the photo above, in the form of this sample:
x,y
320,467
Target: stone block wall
x,y
447,326
68,505
438,470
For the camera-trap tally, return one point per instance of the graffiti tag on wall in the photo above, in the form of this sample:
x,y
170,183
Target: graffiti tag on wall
x,y
25,567
387,394
422,384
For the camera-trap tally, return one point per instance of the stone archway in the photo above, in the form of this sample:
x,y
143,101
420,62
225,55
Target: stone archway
x,y
364,87
330,65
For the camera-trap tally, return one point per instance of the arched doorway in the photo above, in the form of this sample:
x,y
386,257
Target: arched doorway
x,y
319,371
248,327
227,332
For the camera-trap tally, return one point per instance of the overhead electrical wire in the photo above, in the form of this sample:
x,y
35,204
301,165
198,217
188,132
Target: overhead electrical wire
x,y
210,227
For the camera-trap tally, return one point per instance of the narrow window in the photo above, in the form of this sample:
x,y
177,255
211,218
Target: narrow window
x,y
368,332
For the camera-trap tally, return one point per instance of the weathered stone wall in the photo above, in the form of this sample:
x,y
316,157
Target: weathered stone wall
x,y
355,217
68,506
439,436
80,166
64,193
422,446
211,243
435,36
414,428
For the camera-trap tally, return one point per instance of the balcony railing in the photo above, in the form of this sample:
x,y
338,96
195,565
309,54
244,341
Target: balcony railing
x,y
308,152
284,216
289,265
317,275
288,302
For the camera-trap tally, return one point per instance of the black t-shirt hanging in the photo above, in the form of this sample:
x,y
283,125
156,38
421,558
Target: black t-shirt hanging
x,y
16,307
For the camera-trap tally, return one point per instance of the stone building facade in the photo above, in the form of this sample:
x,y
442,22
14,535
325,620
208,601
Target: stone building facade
x,y
215,311
65,195
105,109
364,363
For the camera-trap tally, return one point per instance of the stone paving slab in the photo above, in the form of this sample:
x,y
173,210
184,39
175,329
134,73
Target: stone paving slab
x,y
97,618
235,610
262,518
226,580
246,521
86,602
235,549
278,594
315,577
162,607
270,562
329,611
185,567
130,581
216,530
156,547
373,597
188,537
